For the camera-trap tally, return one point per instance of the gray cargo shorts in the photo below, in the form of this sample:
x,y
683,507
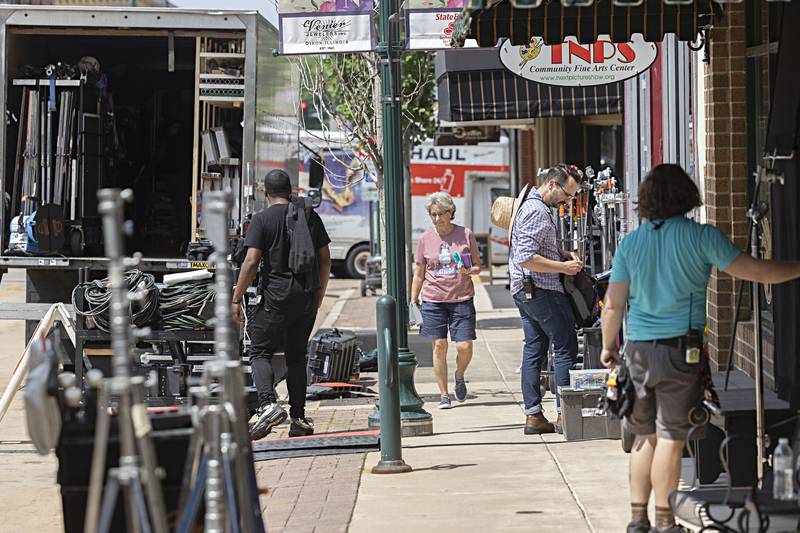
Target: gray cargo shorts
x,y
667,389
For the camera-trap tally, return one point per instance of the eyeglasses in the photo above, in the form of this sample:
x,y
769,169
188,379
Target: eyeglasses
x,y
569,196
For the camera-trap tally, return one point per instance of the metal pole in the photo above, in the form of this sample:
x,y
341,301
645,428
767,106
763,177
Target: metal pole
x,y
215,487
415,420
755,215
389,394
226,370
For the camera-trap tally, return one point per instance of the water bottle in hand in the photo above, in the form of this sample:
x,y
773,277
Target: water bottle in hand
x,y
782,471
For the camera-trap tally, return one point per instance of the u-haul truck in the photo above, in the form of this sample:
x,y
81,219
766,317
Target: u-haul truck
x,y
474,176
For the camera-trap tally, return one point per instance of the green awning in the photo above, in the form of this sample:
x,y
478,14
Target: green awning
x,y
488,21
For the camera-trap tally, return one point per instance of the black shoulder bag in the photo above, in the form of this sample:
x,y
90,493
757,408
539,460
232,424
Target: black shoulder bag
x,y
581,291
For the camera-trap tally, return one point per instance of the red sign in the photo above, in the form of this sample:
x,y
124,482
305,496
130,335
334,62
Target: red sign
x,y
427,179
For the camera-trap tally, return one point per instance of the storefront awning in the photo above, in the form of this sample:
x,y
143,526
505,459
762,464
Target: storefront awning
x,y
488,21
475,89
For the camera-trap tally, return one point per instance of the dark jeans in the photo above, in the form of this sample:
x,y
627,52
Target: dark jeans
x,y
272,328
546,319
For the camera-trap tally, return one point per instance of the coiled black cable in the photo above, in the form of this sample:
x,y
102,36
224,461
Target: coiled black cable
x,y
187,305
97,299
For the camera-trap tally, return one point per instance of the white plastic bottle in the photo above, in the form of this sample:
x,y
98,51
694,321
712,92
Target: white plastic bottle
x,y
783,471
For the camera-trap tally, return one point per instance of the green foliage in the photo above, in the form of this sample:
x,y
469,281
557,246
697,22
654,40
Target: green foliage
x,y
341,87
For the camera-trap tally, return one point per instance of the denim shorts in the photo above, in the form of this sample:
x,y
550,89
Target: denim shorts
x,y
458,317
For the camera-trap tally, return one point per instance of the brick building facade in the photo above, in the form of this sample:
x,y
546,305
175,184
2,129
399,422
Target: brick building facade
x,y
735,112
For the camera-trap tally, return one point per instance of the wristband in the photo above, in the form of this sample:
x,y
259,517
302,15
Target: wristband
x,y
236,301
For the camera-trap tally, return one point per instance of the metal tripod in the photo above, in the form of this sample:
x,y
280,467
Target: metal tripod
x,y
220,461
137,473
758,210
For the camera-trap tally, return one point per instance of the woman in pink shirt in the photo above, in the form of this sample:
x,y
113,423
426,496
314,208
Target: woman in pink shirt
x,y
447,258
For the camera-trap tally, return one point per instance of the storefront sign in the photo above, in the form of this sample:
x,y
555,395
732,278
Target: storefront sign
x,y
429,24
310,27
579,65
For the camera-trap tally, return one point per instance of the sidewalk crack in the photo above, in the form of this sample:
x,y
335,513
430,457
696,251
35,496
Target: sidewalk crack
x,y
560,469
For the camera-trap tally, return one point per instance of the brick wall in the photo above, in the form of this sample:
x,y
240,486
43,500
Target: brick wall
x,y
527,157
726,168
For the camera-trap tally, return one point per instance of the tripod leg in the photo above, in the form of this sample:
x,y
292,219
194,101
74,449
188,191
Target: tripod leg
x,y
109,502
195,496
249,506
98,463
141,506
150,478
739,298
230,488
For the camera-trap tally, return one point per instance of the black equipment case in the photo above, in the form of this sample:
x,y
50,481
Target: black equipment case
x,y
332,356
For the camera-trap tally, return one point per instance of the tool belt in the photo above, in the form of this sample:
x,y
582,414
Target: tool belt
x,y
619,394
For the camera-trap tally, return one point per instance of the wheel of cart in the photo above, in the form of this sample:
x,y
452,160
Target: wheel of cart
x,y
547,377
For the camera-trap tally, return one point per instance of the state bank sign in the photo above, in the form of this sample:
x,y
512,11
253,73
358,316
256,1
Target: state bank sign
x,y
579,65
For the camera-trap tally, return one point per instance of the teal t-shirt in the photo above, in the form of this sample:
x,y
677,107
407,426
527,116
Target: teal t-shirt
x,y
666,268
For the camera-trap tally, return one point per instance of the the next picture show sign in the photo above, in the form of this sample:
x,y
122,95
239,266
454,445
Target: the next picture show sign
x,y
314,27
579,65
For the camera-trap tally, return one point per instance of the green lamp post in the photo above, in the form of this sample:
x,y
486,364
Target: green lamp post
x,y
414,420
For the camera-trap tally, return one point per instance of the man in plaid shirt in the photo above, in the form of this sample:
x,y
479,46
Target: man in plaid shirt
x,y
535,264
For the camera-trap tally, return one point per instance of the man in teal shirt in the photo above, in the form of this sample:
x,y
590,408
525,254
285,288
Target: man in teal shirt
x,y
661,272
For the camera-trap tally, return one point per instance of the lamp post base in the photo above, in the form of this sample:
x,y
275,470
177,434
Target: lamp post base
x,y
412,424
415,421
391,467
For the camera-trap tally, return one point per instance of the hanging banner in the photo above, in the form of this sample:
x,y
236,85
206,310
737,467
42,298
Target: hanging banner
x,y
312,27
429,24
573,64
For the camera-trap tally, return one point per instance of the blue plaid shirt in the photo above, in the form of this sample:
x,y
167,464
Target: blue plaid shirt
x,y
534,233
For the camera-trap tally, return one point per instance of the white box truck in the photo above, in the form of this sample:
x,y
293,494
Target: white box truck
x,y
168,102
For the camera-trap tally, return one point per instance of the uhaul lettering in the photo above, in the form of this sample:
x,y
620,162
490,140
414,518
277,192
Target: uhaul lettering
x,y
438,154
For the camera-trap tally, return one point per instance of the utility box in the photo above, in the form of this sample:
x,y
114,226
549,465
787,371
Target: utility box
x,y
579,411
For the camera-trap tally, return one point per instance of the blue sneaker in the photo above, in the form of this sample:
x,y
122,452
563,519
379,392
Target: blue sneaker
x,y
461,387
445,402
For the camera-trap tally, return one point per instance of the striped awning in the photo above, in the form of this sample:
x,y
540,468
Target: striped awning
x,y
488,21
474,88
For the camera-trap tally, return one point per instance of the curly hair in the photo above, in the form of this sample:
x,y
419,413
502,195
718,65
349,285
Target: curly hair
x,y
667,192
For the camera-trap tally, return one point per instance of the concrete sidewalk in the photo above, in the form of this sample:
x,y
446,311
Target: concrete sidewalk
x,y
479,472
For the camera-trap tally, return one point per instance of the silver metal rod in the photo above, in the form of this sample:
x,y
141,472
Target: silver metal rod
x,y
215,484
137,455
227,368
759,376
110,206
98,463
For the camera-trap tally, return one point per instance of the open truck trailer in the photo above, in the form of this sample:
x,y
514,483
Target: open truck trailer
x,y
167,102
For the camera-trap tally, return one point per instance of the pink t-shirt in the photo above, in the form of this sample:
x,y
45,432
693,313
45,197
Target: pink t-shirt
x,y
443,282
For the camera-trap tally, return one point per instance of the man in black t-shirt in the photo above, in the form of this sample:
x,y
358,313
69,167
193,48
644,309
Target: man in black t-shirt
x,y
289,306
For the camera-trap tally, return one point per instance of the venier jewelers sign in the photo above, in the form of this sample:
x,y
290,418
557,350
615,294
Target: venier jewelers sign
x,y
316,26
579,65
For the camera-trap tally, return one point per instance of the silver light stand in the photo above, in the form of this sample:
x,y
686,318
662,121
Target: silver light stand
x,y
223,455
756,213
137,468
